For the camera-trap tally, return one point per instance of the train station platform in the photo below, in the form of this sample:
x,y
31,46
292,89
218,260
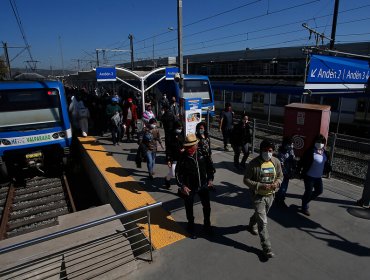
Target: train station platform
x,y
333,243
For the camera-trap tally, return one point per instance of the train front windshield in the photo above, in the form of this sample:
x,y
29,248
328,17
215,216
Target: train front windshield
x,y
29,109
197,88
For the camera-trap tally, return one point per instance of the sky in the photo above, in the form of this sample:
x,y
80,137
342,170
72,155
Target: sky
x,y
66,33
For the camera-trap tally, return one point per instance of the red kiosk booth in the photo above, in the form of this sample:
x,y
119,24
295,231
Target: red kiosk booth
x,y
303,122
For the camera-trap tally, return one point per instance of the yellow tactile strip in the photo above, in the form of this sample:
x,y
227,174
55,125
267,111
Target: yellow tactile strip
x,y
164,229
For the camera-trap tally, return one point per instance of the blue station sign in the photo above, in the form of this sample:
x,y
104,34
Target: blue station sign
x,y
332,73
104,74
170,72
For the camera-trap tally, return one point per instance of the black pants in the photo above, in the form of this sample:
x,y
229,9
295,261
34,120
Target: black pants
x,y
205,200
237,150
226,133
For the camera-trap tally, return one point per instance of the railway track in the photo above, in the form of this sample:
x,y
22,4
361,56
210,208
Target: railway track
x,y
33,204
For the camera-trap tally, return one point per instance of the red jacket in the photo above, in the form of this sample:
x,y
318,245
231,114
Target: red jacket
x,y
133,108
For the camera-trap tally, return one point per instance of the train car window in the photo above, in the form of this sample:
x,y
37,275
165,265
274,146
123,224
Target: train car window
x,y
282,99
258,100
197,88
228,96
313,99
332,101
29,109
218,95
238,96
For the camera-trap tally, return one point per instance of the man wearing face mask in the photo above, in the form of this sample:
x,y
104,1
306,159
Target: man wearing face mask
x,y
263,176
194,175
313,165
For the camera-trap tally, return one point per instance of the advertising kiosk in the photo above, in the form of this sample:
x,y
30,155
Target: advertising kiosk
x,y
191,113
303,122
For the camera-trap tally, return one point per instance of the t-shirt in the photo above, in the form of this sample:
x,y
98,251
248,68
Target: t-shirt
x,y
267,176
227,122
317,167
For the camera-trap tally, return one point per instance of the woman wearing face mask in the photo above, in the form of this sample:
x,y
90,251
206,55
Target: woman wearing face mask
x,y
150,137
174,149
263,176
314,163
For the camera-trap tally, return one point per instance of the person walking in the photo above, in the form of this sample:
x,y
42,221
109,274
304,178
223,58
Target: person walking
x,y
168,120
226,124
194,175
174,107
129,116
112,112
288,164
148,114
150,138
241,139
313,165
173,151
263,176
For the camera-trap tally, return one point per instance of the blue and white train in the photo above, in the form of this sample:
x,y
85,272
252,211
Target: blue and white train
x,y
35,130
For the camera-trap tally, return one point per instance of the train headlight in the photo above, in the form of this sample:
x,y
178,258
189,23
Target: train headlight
x,y
62,134
55,135
5,142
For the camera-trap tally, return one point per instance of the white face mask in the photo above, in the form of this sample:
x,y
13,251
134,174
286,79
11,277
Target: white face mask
x,y
266,156
319,146
152,126
178,131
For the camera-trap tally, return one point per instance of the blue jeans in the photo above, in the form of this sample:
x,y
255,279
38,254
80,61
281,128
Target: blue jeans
x,y
313,188
150,160
281,194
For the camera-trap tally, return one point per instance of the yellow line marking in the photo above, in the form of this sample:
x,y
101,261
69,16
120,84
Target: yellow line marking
x,y
132,195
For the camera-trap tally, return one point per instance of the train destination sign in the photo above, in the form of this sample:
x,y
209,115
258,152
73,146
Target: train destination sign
x,y
104,74
335,73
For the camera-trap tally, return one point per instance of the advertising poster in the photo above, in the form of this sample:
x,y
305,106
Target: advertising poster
x,y
192,113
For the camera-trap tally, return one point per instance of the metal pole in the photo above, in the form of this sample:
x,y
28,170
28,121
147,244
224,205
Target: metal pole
x,y
253,135
332,149
269,110
132,50
334,25
208,120
142,95
339,113
61,54
150,236
97,58
7,59
179,43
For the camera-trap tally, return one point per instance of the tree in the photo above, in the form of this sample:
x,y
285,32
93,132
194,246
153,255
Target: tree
x,y
3,69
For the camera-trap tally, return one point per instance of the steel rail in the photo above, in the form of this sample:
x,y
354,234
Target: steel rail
x,y
76,228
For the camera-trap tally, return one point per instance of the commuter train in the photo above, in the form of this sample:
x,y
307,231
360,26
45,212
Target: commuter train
x,y
194,86
263,100
35,131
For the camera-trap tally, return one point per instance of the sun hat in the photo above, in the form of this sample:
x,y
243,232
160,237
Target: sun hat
x,y
190,140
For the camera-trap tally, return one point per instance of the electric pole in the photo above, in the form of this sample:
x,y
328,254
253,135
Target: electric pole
x,y
179,42
97,58
334,25
132,51
5,46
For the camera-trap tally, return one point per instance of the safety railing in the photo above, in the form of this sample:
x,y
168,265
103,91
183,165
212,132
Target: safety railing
x,y
89,259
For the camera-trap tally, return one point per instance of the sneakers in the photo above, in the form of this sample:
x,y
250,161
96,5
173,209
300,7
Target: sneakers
x,y
361,204
252,230
167,183
268,253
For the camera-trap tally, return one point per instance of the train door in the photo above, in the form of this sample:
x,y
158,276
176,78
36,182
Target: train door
x,y
363,109
258,99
